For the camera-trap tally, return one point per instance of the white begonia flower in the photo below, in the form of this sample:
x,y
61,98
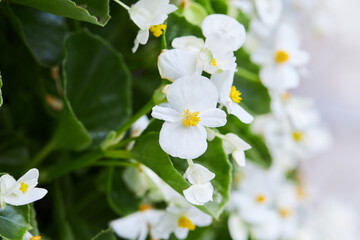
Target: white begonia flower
x,y
245,5
22,191
192,107
280,62
269,11
177,63
150,15
138,224
229,96
235,146
180,218
201,191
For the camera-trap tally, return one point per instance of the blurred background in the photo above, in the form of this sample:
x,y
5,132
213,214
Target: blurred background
x,y
333,83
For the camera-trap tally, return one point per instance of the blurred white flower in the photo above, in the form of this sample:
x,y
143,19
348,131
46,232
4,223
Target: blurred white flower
x,y
150,15
269,11
180,218
280,62
177,63
201,190
138,224
22,191
229,96
234,145
192,106
237,228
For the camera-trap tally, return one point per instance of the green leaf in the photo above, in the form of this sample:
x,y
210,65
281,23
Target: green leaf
x,y
96,92
92,11
14,222
105,235
148,151
34,225
259,153
43,33
120,199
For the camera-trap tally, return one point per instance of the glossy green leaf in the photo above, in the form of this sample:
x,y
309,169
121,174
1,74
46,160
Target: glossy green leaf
x,y
14,222
34,225
105,235
148,151
96,92
92,11
119,197
42,32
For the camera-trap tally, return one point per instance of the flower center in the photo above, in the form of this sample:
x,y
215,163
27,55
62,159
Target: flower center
x,y
157,30
298,136
213,62
281,56
260,198
235,94
37,237
284,212
143,207
23,187
184,222
190,118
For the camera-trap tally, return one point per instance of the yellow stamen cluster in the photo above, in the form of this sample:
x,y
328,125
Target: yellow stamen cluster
x,y
281,56
23,187
184,222
143,207
285,213
157,30
37,237
213,62
190,118
298,136
260,198
235,94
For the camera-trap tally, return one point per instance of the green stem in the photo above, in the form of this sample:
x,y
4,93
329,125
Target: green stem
x,y
163,39
41,155
123,5
242,72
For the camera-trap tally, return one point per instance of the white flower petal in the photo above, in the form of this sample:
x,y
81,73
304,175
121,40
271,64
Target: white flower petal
x,y
239,112
223,82
191,43
279,78
227,30
196,173
199,194
177,63
269,11
131,227
8,184
198,217
237,228
236,141
213,118
26,198
180,141
166,114
239,157
181,233
30,178
141,38
195,93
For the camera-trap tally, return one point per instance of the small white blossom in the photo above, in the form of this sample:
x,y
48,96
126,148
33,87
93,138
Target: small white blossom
x,y
269,11
191,108
201,190
149,14
22,191
235,146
